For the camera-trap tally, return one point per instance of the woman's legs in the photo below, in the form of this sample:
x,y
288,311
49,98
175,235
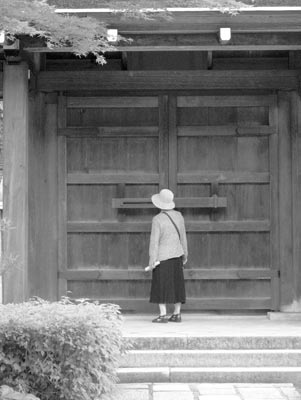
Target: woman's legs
x,y
177,309
162,308
162,317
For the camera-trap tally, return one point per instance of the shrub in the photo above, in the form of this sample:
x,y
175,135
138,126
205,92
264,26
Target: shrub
x,y
60,350
7,393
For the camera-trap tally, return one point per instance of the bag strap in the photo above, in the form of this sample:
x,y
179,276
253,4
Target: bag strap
x,y
173,222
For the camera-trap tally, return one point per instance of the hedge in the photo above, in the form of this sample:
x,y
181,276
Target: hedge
x,y
60,350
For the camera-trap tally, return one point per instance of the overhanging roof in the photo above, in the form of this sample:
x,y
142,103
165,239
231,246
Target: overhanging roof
x,y
253,19
195,29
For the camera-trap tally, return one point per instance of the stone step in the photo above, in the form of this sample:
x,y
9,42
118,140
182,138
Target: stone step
x,y
213,342
212,358
211,375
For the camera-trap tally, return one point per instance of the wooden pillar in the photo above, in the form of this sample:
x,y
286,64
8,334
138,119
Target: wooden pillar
x,y
43,242
290,200
15,97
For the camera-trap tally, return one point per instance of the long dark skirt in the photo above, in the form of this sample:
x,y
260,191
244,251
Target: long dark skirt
x,y
168,282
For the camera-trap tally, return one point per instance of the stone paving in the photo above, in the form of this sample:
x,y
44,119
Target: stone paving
x,y
211,325
205,391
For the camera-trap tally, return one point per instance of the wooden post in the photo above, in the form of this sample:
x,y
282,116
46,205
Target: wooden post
x,y
42,237
291,296
290,200
15,96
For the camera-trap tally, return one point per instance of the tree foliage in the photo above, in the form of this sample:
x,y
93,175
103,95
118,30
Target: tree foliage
x,y
37,18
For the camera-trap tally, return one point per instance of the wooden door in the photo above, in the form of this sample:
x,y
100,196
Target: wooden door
x,y
226,146
219,156
112,148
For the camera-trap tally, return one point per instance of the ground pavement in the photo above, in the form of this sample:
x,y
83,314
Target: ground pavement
x,y
204,391
208,325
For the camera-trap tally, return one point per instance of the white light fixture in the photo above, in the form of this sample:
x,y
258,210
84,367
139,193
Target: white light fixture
x,y
224,35
2,37
112,35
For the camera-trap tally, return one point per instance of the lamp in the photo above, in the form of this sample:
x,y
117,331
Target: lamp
x,y
224,35
2,37
112,35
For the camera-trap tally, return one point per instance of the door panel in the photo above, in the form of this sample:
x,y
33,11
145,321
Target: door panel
x,y
224,150
115,150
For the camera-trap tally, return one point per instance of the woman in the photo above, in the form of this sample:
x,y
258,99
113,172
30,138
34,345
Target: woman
x,y
168,245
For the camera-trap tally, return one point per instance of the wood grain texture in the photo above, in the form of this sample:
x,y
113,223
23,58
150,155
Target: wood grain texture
x,y
140,274
223,177
62,198
109,131
112,102
174,80
80,178
15,96
43,186
274,201
285,201
229,252
222,130
184,202
296,194
219,226
152,61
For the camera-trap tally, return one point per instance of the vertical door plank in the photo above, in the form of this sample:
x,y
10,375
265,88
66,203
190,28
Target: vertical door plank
x,y
163,142
274,204
285,202
62,198
296,193
173,145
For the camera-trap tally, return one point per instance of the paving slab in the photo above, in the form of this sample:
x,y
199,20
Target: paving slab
x,y
261,393
173,395
219,397
131,394
177,387
206,391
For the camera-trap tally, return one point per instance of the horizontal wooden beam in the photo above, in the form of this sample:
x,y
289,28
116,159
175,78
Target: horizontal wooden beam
x,y
226,101
112,102
204,226
78,178
262,41
139,274
83,178
223,177
200,303
153,131
181,202
165,80
208,41
226,130
110,131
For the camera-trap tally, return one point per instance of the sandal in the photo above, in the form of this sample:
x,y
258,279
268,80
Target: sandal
x,y
175,318
162,319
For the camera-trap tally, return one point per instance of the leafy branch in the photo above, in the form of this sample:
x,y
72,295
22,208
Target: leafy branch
x,y
37,18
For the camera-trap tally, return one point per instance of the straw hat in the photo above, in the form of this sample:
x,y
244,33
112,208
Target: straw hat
x,y
164,199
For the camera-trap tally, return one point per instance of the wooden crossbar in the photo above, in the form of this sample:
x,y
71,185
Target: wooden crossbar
x,y
181,202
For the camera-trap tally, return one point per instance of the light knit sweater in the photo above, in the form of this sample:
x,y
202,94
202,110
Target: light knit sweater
x,y
164,240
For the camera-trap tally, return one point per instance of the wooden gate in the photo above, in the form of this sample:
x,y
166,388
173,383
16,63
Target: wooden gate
x,y
217,153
